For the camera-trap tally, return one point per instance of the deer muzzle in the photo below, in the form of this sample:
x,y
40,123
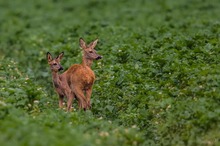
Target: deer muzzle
x,y
99,57
61,68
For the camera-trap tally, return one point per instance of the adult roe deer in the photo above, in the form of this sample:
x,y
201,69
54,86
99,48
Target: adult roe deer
x,y
59,80
80,77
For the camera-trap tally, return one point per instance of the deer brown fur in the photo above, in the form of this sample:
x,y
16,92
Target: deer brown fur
x,y
80,77
60,81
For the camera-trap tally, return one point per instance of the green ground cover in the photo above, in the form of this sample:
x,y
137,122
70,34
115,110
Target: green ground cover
x,y
157,84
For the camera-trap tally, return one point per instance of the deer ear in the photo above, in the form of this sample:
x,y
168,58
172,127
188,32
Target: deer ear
x,y
49,57
82,43
93,44
60,56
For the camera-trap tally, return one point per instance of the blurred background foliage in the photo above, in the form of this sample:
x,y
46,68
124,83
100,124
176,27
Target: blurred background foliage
x,y
157,84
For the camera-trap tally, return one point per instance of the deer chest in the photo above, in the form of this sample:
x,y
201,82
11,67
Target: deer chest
x,y
88,79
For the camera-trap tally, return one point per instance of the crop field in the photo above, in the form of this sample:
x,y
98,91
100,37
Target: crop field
x,y
158,83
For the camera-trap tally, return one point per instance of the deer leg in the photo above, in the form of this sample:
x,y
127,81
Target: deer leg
x,y
70,98
61,101
69,103
88,97
81,98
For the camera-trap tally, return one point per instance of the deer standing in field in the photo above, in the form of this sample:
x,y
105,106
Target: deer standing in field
x,y
80,77
59,80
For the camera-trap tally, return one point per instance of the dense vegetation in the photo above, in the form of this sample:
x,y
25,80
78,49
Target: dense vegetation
x,y
157,84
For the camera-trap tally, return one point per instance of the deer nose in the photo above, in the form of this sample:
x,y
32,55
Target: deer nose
x,y
99,57
61,68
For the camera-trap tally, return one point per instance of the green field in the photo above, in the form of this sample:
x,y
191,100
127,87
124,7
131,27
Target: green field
x,y
157,84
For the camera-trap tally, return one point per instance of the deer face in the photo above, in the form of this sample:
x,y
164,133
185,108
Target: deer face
x,y
89,50
55,63
91,54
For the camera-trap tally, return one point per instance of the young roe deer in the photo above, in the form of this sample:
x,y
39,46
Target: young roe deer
x,y
59,80
80,77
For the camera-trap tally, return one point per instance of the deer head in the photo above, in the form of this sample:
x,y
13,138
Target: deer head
x,y
55,63
89,51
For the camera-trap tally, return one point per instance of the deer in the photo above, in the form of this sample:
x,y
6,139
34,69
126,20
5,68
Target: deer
x,y
60,81
80,77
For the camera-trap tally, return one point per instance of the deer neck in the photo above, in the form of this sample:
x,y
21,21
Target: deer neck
x,y
87,62
56,78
